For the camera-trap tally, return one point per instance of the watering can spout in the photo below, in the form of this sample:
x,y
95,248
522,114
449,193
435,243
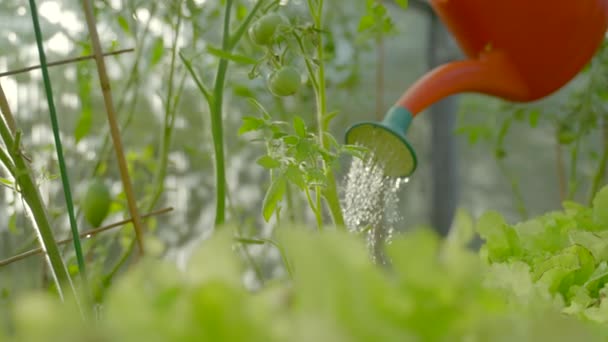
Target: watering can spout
x,y
490,74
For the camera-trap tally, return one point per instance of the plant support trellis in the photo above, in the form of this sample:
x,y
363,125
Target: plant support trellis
x,y
16,164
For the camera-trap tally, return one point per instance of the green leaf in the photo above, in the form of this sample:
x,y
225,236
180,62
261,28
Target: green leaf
x,y
241,12
415,258
329,117
242,91
239,59
600,208
274,195
260,107
572,266
304,149
123,23
331,141
596,243
158,50
502,241
12,223
598,279
296,176
356,151
227,267
250,123
290,140
83,126
463,231
299,126
376,19
341,293
533,118
519,114
268,162
402,3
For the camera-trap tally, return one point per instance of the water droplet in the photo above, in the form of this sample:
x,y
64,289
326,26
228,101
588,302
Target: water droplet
x,y
371,203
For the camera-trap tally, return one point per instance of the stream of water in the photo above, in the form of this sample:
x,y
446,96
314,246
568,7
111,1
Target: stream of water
x,y
371,204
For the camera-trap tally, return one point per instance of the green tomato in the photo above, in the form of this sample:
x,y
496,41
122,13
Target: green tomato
x,y
264,30
96,203
285,81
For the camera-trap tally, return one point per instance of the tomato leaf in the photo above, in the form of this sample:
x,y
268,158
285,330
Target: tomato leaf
x,y
268,162
123,23
274,195
299,126
83,126
158,50
250,123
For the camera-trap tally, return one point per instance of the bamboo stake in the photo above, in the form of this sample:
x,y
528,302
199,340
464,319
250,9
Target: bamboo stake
x,y
86,234
62,62
113,122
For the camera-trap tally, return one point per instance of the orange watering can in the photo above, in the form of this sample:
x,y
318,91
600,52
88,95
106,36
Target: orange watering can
x,y
518,50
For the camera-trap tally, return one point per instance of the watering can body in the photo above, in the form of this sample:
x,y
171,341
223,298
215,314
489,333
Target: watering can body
x,y
518,50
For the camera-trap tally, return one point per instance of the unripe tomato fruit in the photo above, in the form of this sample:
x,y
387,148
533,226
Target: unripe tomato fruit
x,y
96,203
285,81
263,31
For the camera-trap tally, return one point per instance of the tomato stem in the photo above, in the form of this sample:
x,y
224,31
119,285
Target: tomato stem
x,y
331,192
35,205
216,106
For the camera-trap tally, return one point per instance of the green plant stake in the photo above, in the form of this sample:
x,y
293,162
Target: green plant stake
x,y
58,146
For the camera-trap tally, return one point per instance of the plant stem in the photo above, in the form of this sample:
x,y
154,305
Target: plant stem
x,y
114,129
380,58
311,73
315,209
6,111
170,109
572,180
561,174
289,199
29,191
245,24
519,198
601,170
331,192
261,241
215,102
216,108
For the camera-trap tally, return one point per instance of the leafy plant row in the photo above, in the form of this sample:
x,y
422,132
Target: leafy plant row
x,y
540,280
